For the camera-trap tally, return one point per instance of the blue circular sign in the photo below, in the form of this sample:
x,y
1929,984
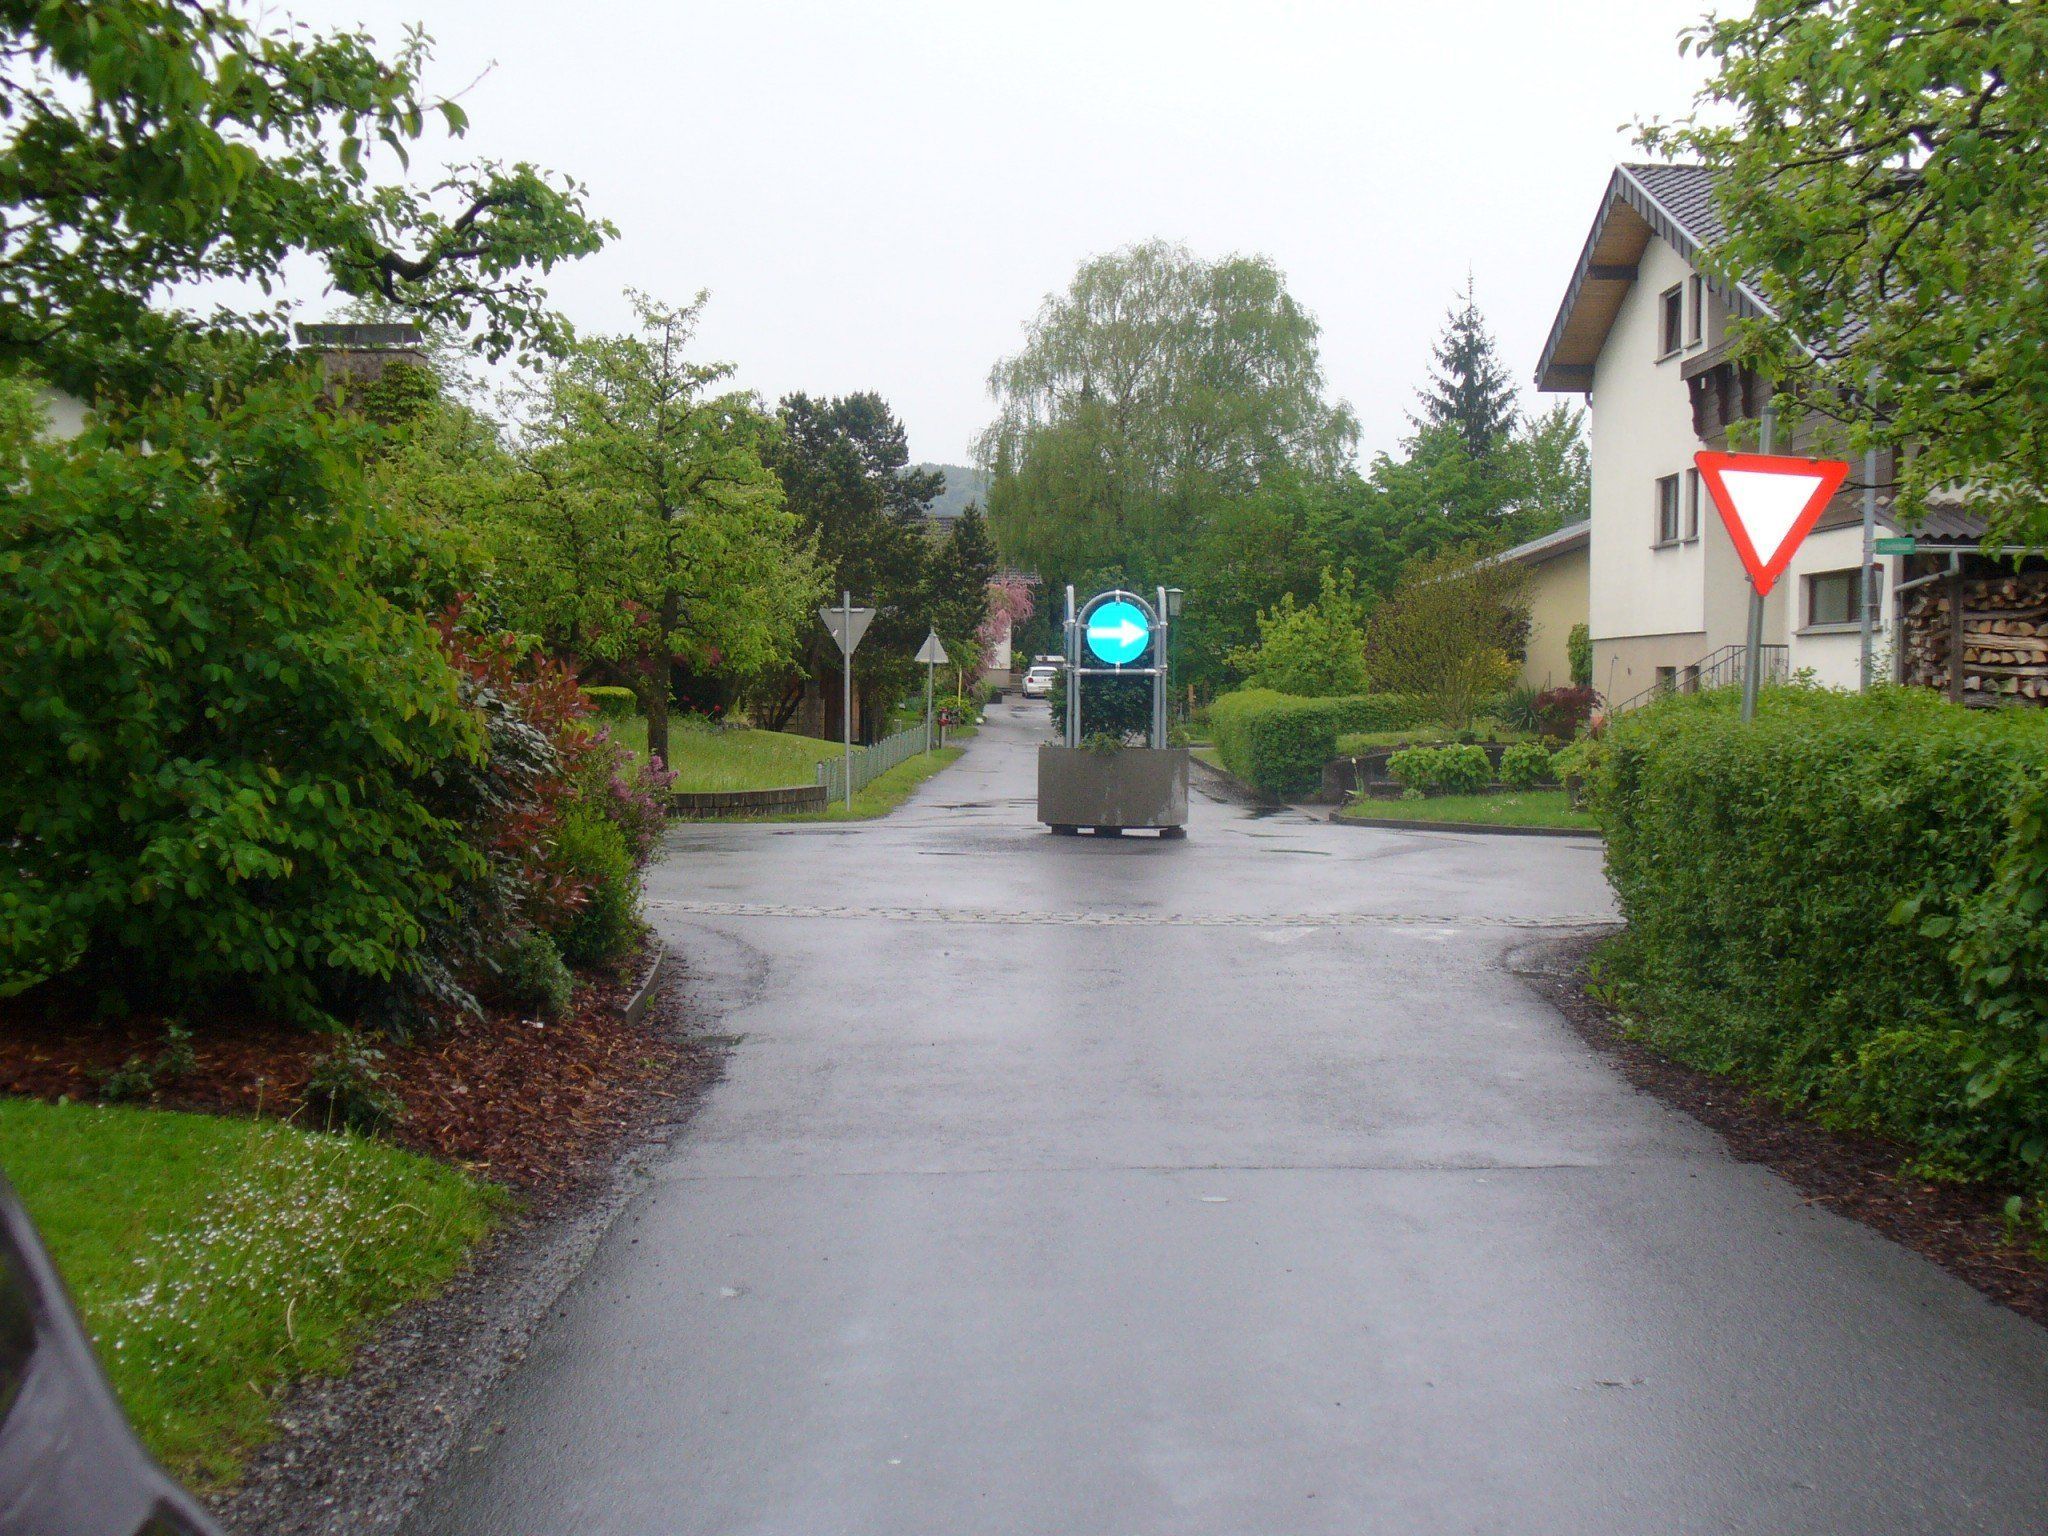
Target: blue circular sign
x,y
1118,632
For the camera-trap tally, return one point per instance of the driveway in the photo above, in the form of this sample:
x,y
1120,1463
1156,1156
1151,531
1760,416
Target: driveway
x,y
1228,1186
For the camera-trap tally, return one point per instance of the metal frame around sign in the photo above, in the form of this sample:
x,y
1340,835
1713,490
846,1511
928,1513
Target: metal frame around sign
x,y
1076,632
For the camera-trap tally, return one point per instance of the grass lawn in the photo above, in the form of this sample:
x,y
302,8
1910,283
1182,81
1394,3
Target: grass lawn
x,y
215,1260
1517,808
886,792
721,760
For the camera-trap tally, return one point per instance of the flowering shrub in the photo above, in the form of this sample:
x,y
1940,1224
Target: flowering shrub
x,y
631,793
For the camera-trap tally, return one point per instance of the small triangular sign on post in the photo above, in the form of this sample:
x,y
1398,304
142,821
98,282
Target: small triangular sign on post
x,y
1769,503
837,621
931,653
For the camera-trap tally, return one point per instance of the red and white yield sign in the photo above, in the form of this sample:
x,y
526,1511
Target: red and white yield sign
x,y
1769,503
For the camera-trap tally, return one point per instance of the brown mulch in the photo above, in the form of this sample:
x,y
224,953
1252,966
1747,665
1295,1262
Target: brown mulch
x,y
1960,1227
531,1105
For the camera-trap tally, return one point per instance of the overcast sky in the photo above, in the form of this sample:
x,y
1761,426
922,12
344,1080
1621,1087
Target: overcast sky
x,y
879,194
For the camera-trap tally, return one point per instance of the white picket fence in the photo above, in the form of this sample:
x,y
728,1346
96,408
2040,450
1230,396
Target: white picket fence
x,y
869,763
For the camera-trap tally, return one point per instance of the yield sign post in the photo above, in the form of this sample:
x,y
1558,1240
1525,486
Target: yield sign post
x,y
932,654
1769,503
847,624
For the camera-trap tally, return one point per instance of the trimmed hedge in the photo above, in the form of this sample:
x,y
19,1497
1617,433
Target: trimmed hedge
x,y
1280,742
613,703
1842,903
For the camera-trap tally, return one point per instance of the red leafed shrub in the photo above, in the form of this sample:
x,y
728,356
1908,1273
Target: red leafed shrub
x,y
515,800
1562,712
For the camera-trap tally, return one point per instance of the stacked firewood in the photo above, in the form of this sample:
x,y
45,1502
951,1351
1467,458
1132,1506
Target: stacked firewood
x,y
2005,638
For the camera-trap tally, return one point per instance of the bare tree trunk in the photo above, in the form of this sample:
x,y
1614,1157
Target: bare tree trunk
x,y
663,681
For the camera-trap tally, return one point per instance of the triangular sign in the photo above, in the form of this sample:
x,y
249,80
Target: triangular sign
x,y
1769,503
847,625
931,653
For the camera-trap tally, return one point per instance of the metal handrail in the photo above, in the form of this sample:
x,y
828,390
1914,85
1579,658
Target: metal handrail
x,y
1716,669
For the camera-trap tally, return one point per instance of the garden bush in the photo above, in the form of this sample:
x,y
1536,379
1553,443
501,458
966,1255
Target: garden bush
x,y
607,923
1456,770
1524,764
532,977
1561,713
227,736
1279,742
1842,903
612,703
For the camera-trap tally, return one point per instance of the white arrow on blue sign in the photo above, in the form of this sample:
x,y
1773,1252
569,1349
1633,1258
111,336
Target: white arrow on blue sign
x,y
1118,632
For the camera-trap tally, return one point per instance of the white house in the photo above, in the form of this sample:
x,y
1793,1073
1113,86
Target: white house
x,y
1644,334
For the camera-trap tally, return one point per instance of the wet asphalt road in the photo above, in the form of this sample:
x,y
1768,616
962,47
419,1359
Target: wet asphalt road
x,y
1276,1205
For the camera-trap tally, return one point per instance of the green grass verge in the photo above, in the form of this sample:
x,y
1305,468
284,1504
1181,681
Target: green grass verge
x,y
1516,808
886,792
726,760
216,1260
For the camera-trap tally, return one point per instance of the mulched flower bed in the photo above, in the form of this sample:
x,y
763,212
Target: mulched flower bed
x,y
1960,1227
527,1104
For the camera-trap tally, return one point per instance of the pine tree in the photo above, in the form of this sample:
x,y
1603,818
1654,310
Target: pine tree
x,y
960,577
1469,389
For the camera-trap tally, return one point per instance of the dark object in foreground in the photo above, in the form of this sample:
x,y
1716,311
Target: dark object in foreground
x,y
69,1463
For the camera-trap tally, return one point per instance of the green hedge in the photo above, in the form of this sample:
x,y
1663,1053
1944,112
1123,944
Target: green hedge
x,y
613,703
1842,903
1280,743
1454,770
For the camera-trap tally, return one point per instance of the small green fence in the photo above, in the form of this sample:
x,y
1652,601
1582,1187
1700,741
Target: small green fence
x,y
869,763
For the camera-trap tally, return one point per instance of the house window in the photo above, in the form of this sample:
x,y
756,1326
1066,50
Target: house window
x,y
1832,598
1696,309
1667,679
1671,321
1689,680
1667,510
1692,503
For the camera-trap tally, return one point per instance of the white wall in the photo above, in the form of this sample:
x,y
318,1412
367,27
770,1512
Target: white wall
x,y
1641,430
1835,659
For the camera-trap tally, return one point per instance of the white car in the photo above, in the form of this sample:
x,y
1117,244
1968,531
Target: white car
x,y
1038,681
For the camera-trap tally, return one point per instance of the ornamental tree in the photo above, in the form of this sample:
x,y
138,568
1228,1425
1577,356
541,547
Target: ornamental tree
x,y
651,528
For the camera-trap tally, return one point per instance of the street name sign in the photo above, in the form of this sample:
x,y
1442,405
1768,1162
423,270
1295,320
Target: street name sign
x,y
1769,503
1118,632
1905,544
847,625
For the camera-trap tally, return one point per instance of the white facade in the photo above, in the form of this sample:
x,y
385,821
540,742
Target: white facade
x,y
1667,594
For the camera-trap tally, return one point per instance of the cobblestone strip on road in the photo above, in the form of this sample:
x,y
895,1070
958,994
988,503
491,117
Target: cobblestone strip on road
x,y
1585,920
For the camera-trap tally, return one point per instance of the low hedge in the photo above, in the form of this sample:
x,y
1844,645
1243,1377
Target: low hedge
x,y
1280,742
1453,770
1841,903
613,703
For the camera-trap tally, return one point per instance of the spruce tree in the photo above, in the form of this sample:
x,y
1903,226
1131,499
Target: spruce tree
x,y
1469,389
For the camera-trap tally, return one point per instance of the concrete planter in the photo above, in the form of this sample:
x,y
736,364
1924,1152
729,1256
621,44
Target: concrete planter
x,y
1110,791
